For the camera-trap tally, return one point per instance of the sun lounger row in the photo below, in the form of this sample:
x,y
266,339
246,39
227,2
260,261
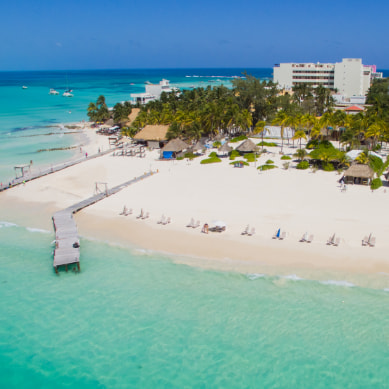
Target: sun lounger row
x,y
368,241
164,220
248,231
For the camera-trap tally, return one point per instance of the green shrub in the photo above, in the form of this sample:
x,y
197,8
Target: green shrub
x,y
328,167
244,163
234,154
216,144
213,154
286,157
266,167
250,157
302,165
314,144
190,156
238,138
269,144
180,158
376,183
269,162
210,160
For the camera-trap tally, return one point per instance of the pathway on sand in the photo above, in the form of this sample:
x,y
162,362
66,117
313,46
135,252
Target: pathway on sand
x,y
67,246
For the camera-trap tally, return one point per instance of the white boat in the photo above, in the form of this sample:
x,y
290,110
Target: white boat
x,y
53,92
67,94
24,87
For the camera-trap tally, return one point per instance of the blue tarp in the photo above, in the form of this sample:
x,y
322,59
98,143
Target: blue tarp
x,y
168,154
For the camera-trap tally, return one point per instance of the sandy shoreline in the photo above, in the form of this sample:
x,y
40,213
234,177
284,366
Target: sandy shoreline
x,y
295,201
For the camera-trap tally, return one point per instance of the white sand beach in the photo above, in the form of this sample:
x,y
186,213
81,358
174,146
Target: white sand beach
x,y
294,200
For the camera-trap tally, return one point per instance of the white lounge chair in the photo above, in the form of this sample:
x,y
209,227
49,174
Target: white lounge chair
x,y
310,239
246,230
372,241
161,220
365,241
124,211
282,236
129,212
251,232
337,242
304,237
277,234
167,221
197,224
191,223
331,240
146,215
140,216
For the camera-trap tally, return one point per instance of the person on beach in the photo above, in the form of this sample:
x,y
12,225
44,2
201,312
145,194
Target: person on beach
x,y
205,228
86,155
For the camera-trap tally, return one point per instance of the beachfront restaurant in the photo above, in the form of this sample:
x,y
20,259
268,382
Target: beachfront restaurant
x,y
358,174
173,148
154,136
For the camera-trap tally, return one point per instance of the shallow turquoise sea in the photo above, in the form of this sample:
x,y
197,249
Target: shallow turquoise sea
x,y
132,319
30,119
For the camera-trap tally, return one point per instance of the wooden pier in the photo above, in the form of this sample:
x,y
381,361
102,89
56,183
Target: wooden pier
x,y
23,178
67,243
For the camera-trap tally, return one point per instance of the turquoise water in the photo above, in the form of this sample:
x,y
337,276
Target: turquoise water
x,y
136,320
30,118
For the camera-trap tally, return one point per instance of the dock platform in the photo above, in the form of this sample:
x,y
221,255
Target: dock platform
x,y
67,242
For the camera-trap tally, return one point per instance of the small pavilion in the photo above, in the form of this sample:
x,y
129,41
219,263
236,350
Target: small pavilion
x,y
358,174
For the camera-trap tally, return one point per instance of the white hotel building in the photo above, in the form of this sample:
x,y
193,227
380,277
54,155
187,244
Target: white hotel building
x,y
350,77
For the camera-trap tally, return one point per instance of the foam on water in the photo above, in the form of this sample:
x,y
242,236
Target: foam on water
x,y
255,276
31,229
4,224
338,283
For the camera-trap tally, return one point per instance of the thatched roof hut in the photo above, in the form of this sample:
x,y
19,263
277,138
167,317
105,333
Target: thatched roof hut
x,y
152,132
199,146
224,149
248,146
132,116
176,145
358,174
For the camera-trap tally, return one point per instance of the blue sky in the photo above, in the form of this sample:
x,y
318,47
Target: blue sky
x,y
86,34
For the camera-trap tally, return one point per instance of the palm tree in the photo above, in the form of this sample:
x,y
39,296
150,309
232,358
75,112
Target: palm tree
x,y
301,154
260,129
281,120
299,135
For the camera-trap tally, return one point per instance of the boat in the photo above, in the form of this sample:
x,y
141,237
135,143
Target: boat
x,y
67,93
24,87
53,92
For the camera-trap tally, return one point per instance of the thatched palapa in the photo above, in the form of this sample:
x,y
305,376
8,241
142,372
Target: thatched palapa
x,y
132,116
152,132
358,174
176,145
224,148
248,146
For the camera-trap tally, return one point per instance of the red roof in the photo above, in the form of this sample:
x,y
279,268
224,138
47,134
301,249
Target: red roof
x,y
354,108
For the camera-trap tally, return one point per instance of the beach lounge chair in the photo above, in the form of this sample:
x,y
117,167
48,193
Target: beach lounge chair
x,y
277,234
365,241
246,230
191,223
251,232
129,212
282,236
310,239
161,220
331,240
167,221
146,215
337,242
124,211
140,216
304,237
372,241
197,224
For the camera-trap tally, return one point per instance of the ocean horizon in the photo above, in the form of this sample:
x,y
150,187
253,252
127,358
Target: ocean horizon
x,y
134,318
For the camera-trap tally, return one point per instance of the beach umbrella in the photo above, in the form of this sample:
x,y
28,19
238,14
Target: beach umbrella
x,y
219,223
278,233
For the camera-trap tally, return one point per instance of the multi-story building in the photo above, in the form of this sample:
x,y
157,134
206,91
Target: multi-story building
x,y
349,77
153,92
